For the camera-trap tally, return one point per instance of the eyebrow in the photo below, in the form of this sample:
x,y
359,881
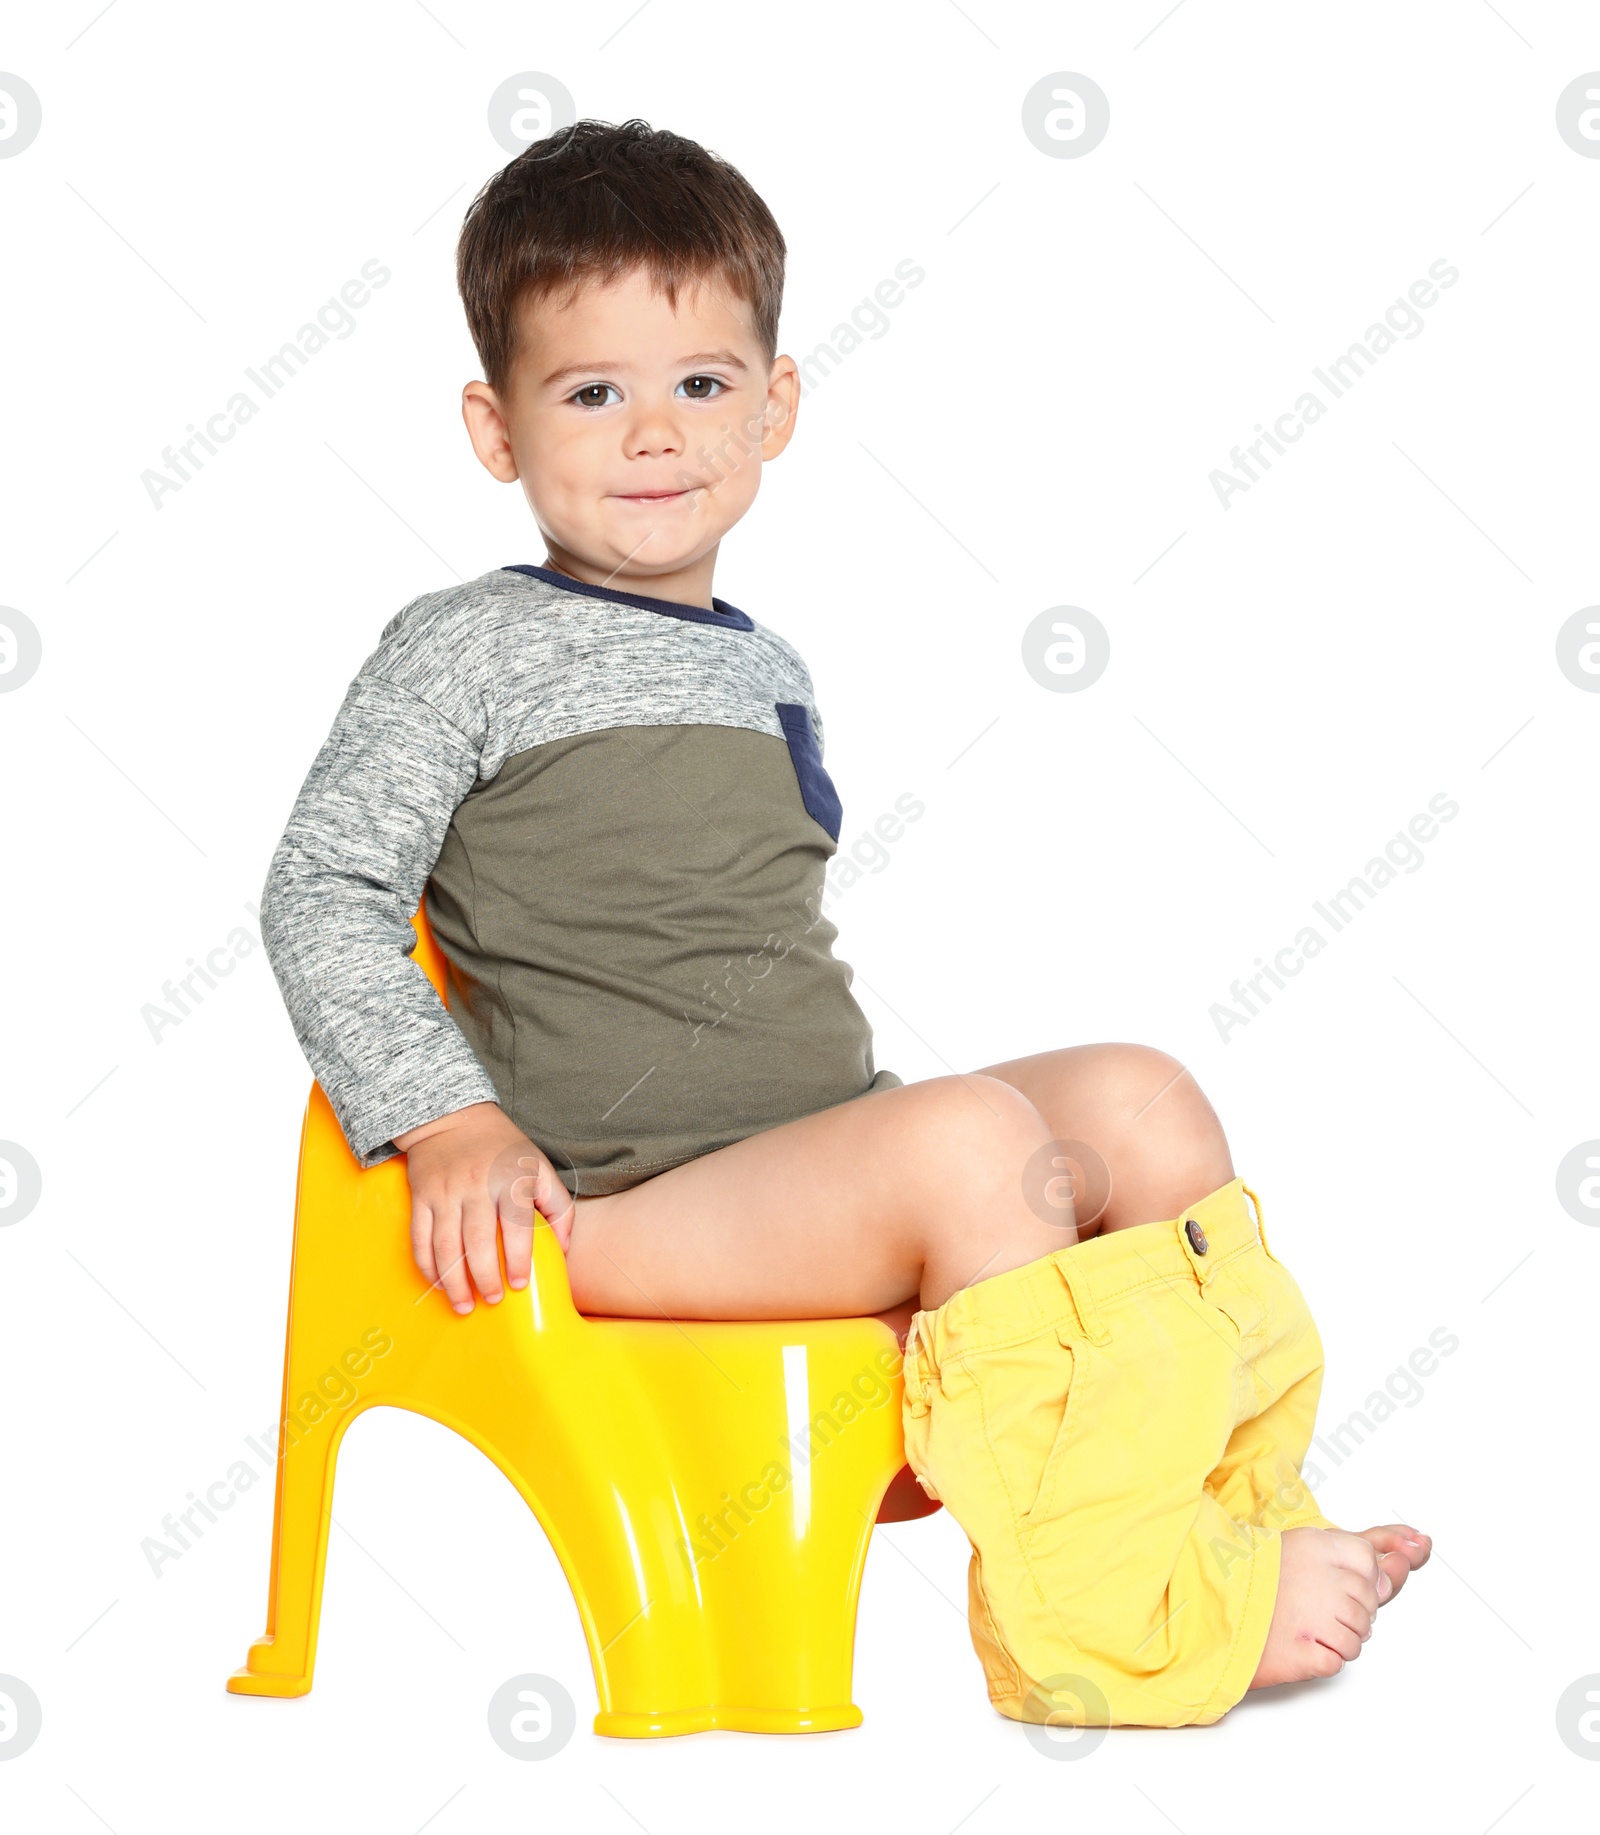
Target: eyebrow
x,y
700,356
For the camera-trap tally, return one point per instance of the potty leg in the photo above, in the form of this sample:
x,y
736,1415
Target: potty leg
x,y
281,1661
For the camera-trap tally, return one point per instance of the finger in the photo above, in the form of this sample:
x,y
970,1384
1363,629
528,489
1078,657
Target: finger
x,y
563,1227
518,1217
448,1254
479,1233
553,1201
422,1240
516,1229
560,1211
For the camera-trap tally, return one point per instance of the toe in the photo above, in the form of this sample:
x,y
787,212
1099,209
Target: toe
x,y
1400,1549
1395,1570
1400,1538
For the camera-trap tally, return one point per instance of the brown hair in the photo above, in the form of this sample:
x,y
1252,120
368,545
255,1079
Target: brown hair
x,y
595,200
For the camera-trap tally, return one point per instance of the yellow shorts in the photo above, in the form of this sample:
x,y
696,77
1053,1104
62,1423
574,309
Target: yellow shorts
x,y
1119,1427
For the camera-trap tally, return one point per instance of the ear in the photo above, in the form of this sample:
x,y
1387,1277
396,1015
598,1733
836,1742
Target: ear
x,y
486,428
783,403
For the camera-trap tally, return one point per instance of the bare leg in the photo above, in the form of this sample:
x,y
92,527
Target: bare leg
x,y
896,1200
906,1194
1153,1141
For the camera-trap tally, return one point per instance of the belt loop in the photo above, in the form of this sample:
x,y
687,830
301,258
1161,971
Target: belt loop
x,y
911,1368
1261,1218
1082,1291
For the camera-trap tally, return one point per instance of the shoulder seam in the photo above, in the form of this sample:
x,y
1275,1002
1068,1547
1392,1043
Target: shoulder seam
x,y
372,675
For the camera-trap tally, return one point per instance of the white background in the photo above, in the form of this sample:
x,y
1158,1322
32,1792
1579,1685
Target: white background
x,y
1371,624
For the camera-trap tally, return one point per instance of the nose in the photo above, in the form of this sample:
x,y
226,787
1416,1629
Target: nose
x,y
653,431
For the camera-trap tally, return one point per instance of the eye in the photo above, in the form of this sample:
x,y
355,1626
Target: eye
x,y
715,381
591,389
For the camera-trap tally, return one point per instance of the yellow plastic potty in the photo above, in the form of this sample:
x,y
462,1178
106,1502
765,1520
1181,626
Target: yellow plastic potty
x,y
708,1488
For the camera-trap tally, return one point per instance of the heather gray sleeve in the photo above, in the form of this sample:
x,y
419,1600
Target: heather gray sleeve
x,y
345,879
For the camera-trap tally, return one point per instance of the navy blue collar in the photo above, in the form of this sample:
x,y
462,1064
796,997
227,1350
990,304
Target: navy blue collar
x,y
726,617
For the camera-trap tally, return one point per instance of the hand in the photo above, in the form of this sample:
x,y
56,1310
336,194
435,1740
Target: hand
x,y
474,1174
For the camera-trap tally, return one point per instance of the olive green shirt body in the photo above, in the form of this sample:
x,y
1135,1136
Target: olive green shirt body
x,y
616,811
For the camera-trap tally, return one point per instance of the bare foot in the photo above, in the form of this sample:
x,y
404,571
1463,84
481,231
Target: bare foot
x,y
1330,1584
1401,1550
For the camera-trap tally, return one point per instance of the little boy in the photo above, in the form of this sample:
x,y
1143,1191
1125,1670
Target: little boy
x,y
607,786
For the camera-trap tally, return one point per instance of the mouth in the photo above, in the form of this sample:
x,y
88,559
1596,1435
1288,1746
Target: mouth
x,y
654,496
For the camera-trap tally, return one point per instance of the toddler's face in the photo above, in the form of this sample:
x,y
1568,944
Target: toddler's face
x,y
638,432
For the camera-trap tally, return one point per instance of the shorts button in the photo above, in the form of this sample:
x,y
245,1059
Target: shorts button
x,y
1197,1236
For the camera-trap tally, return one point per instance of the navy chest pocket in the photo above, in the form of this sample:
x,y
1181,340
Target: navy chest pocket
x,y
816,787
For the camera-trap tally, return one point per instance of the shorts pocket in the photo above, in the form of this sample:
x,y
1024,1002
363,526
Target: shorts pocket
x,y
1029,1395
1044,1507
816,787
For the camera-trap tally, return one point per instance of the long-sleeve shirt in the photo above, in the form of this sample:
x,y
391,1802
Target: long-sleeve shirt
x,y
617,809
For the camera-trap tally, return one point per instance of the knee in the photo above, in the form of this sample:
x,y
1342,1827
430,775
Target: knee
x,y
1167,1121
977,1132
1158,1095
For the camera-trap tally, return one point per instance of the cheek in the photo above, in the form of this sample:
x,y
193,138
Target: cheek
x,y
738,453
561,463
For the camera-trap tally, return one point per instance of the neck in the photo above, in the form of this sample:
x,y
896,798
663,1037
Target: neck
x,y
689,585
